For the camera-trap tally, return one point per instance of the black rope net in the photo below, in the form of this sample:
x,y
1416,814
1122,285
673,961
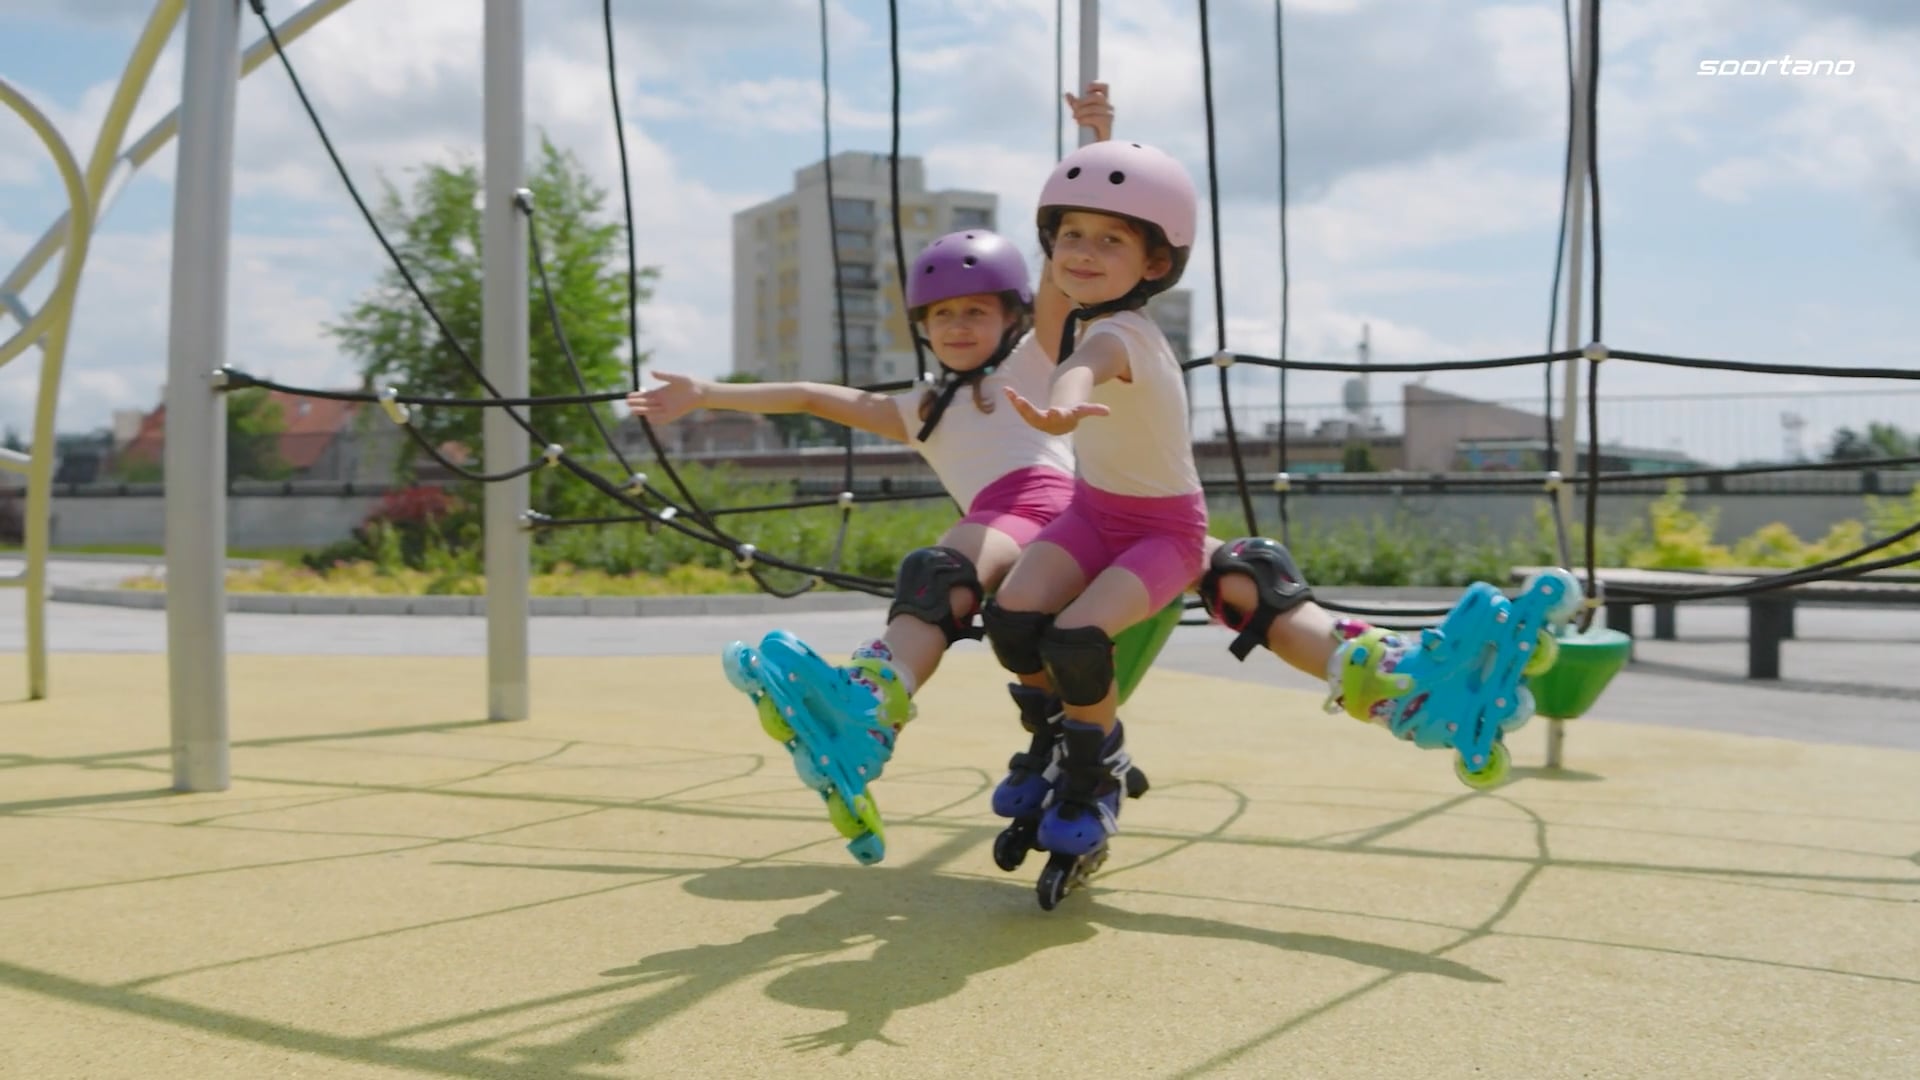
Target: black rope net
x,y
644,503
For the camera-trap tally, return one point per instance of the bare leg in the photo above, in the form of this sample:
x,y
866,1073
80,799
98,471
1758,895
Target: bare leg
x,y
1045,578
917,646
1116,600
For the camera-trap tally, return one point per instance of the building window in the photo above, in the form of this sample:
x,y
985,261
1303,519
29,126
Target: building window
x,y
853,213
972,217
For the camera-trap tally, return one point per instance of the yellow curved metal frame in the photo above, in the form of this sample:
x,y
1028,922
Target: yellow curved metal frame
x,y
89,194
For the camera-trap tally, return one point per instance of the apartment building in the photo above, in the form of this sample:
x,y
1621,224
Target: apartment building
x,y
785,322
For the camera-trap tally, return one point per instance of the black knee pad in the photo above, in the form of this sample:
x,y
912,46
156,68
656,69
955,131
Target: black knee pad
x,y
1015,637
923,590
1080,663
1279,583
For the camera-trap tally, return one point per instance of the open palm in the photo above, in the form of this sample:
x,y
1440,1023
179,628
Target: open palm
x,y
1056,420
676,397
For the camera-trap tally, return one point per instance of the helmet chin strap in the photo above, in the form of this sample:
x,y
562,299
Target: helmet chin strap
x,y
951,381
1136,297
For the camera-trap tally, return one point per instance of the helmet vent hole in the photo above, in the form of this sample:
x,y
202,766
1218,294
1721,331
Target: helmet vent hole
x,y
1136,146
1073,173
968,261
1116,177
928,270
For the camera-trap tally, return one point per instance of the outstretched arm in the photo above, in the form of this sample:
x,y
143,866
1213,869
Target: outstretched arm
x,y
1098,360
679,395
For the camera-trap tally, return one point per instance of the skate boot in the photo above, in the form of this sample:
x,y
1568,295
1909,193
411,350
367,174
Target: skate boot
x,y
1458,685
872,666
839,732
1085,808
1033,774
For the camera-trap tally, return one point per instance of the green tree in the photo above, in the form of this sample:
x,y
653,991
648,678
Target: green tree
x,y
254,426
1879,440
1357,457
438,235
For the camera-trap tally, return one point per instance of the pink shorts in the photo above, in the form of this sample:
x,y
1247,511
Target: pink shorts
x,y
1022,502
1160,540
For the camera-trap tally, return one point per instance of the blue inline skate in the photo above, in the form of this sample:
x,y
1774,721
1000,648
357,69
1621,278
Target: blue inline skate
x,y
1459,684
1032,789
838,724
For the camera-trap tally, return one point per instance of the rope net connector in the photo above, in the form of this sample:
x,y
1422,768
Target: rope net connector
x,y
1594,351
396,412
669,513
554,453
636,483
533,519
1598,599
845,500
1223,359
1555,482
221,378
523,198
743,556
1283,482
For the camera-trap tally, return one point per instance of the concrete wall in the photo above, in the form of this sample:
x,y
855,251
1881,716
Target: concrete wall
x,y
253,521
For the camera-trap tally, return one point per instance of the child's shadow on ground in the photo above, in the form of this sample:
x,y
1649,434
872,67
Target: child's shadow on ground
x,y
934,932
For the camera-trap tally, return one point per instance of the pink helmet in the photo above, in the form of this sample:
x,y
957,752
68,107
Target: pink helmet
x,y
1130,180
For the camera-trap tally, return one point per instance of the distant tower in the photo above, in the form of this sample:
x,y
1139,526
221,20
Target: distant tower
x,y
1792,426
1357,394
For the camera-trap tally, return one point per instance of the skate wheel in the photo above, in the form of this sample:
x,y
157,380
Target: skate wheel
x,y
1567,603
1499,763
1522,712
1546,650
773,723
1011,846
1053,881
845,821
738,662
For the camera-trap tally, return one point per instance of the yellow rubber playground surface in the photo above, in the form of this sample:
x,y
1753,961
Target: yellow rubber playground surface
x,y
633,884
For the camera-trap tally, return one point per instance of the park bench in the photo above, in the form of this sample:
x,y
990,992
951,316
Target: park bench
x,y
1769,614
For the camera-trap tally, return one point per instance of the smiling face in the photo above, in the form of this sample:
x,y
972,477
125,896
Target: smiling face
x,y
966,330
1100,257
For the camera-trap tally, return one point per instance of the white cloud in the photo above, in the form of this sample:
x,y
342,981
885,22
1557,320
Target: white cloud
x,y
1415,131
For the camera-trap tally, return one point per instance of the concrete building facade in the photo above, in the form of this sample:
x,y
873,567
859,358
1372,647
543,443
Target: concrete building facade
x,y
785,320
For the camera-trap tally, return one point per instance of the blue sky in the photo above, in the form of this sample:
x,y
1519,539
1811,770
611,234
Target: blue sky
x,y
1766,218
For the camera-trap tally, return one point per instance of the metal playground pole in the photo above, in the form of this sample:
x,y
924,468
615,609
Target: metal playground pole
x,y
196,418
504,355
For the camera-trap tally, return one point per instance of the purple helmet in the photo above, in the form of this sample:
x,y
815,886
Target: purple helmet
x,y
1130,180
966,263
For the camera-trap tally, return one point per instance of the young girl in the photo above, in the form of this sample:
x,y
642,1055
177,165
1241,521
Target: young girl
x,y
1116,220
969,292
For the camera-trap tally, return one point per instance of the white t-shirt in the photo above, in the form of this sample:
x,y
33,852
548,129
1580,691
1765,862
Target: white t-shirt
x,y
1143,447
970,449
